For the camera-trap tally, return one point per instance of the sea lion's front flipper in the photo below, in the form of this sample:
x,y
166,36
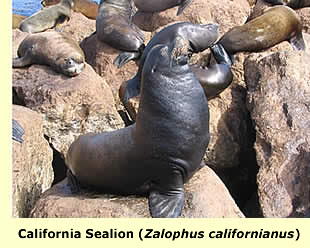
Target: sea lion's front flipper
x,y
17,131
124,57
22,61
221,56
183,6
298,42
166,199
165,204
127,91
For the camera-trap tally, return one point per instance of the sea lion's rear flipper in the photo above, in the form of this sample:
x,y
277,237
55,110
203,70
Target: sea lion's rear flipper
x,y
124,57
166,199
22,61
17,131
298,42
183,6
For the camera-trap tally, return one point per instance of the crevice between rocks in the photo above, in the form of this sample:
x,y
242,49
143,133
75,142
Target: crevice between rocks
x,y
241,181
58,163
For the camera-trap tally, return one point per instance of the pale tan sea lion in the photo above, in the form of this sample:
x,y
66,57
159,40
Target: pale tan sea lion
x,y
55,49
85,7
48,17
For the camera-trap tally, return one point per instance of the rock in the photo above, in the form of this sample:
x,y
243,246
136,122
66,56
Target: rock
x,y
304,15
79,27
17,38
101,56
69,106
200,201
278,100
32,162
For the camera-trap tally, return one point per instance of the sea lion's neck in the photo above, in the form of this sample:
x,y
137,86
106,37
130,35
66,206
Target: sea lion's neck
x,y
123,6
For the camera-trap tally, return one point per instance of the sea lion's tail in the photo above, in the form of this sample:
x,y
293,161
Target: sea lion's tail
x,y
22,61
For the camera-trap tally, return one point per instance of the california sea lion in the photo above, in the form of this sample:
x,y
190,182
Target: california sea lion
x,y
163,149
214,79
17,131
48,17
114,27
17,19
161,5
55,49
200,37
277,24
85,7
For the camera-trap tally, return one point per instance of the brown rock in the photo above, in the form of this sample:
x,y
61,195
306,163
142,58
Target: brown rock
x,y
32,162
101,56
205,196
304,15
79,27
278,99
69,106
227,14
17,38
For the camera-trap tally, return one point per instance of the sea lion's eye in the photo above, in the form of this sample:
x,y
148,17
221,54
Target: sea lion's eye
x,y
69,61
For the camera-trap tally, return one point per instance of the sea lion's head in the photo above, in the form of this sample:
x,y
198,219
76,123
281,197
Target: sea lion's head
x,y
167,59
70,66
202,36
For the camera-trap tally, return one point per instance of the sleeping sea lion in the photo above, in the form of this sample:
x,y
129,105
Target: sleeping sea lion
x,y
55,49
163,149
85,7
47,17
277,24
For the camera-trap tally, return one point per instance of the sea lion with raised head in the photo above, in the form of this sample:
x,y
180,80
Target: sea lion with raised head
x,y
200,37
214,79
277,24
161,5
115,28
55,49
163,149
86,7
48,17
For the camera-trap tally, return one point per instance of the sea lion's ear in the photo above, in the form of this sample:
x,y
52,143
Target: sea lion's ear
x,y
298,42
